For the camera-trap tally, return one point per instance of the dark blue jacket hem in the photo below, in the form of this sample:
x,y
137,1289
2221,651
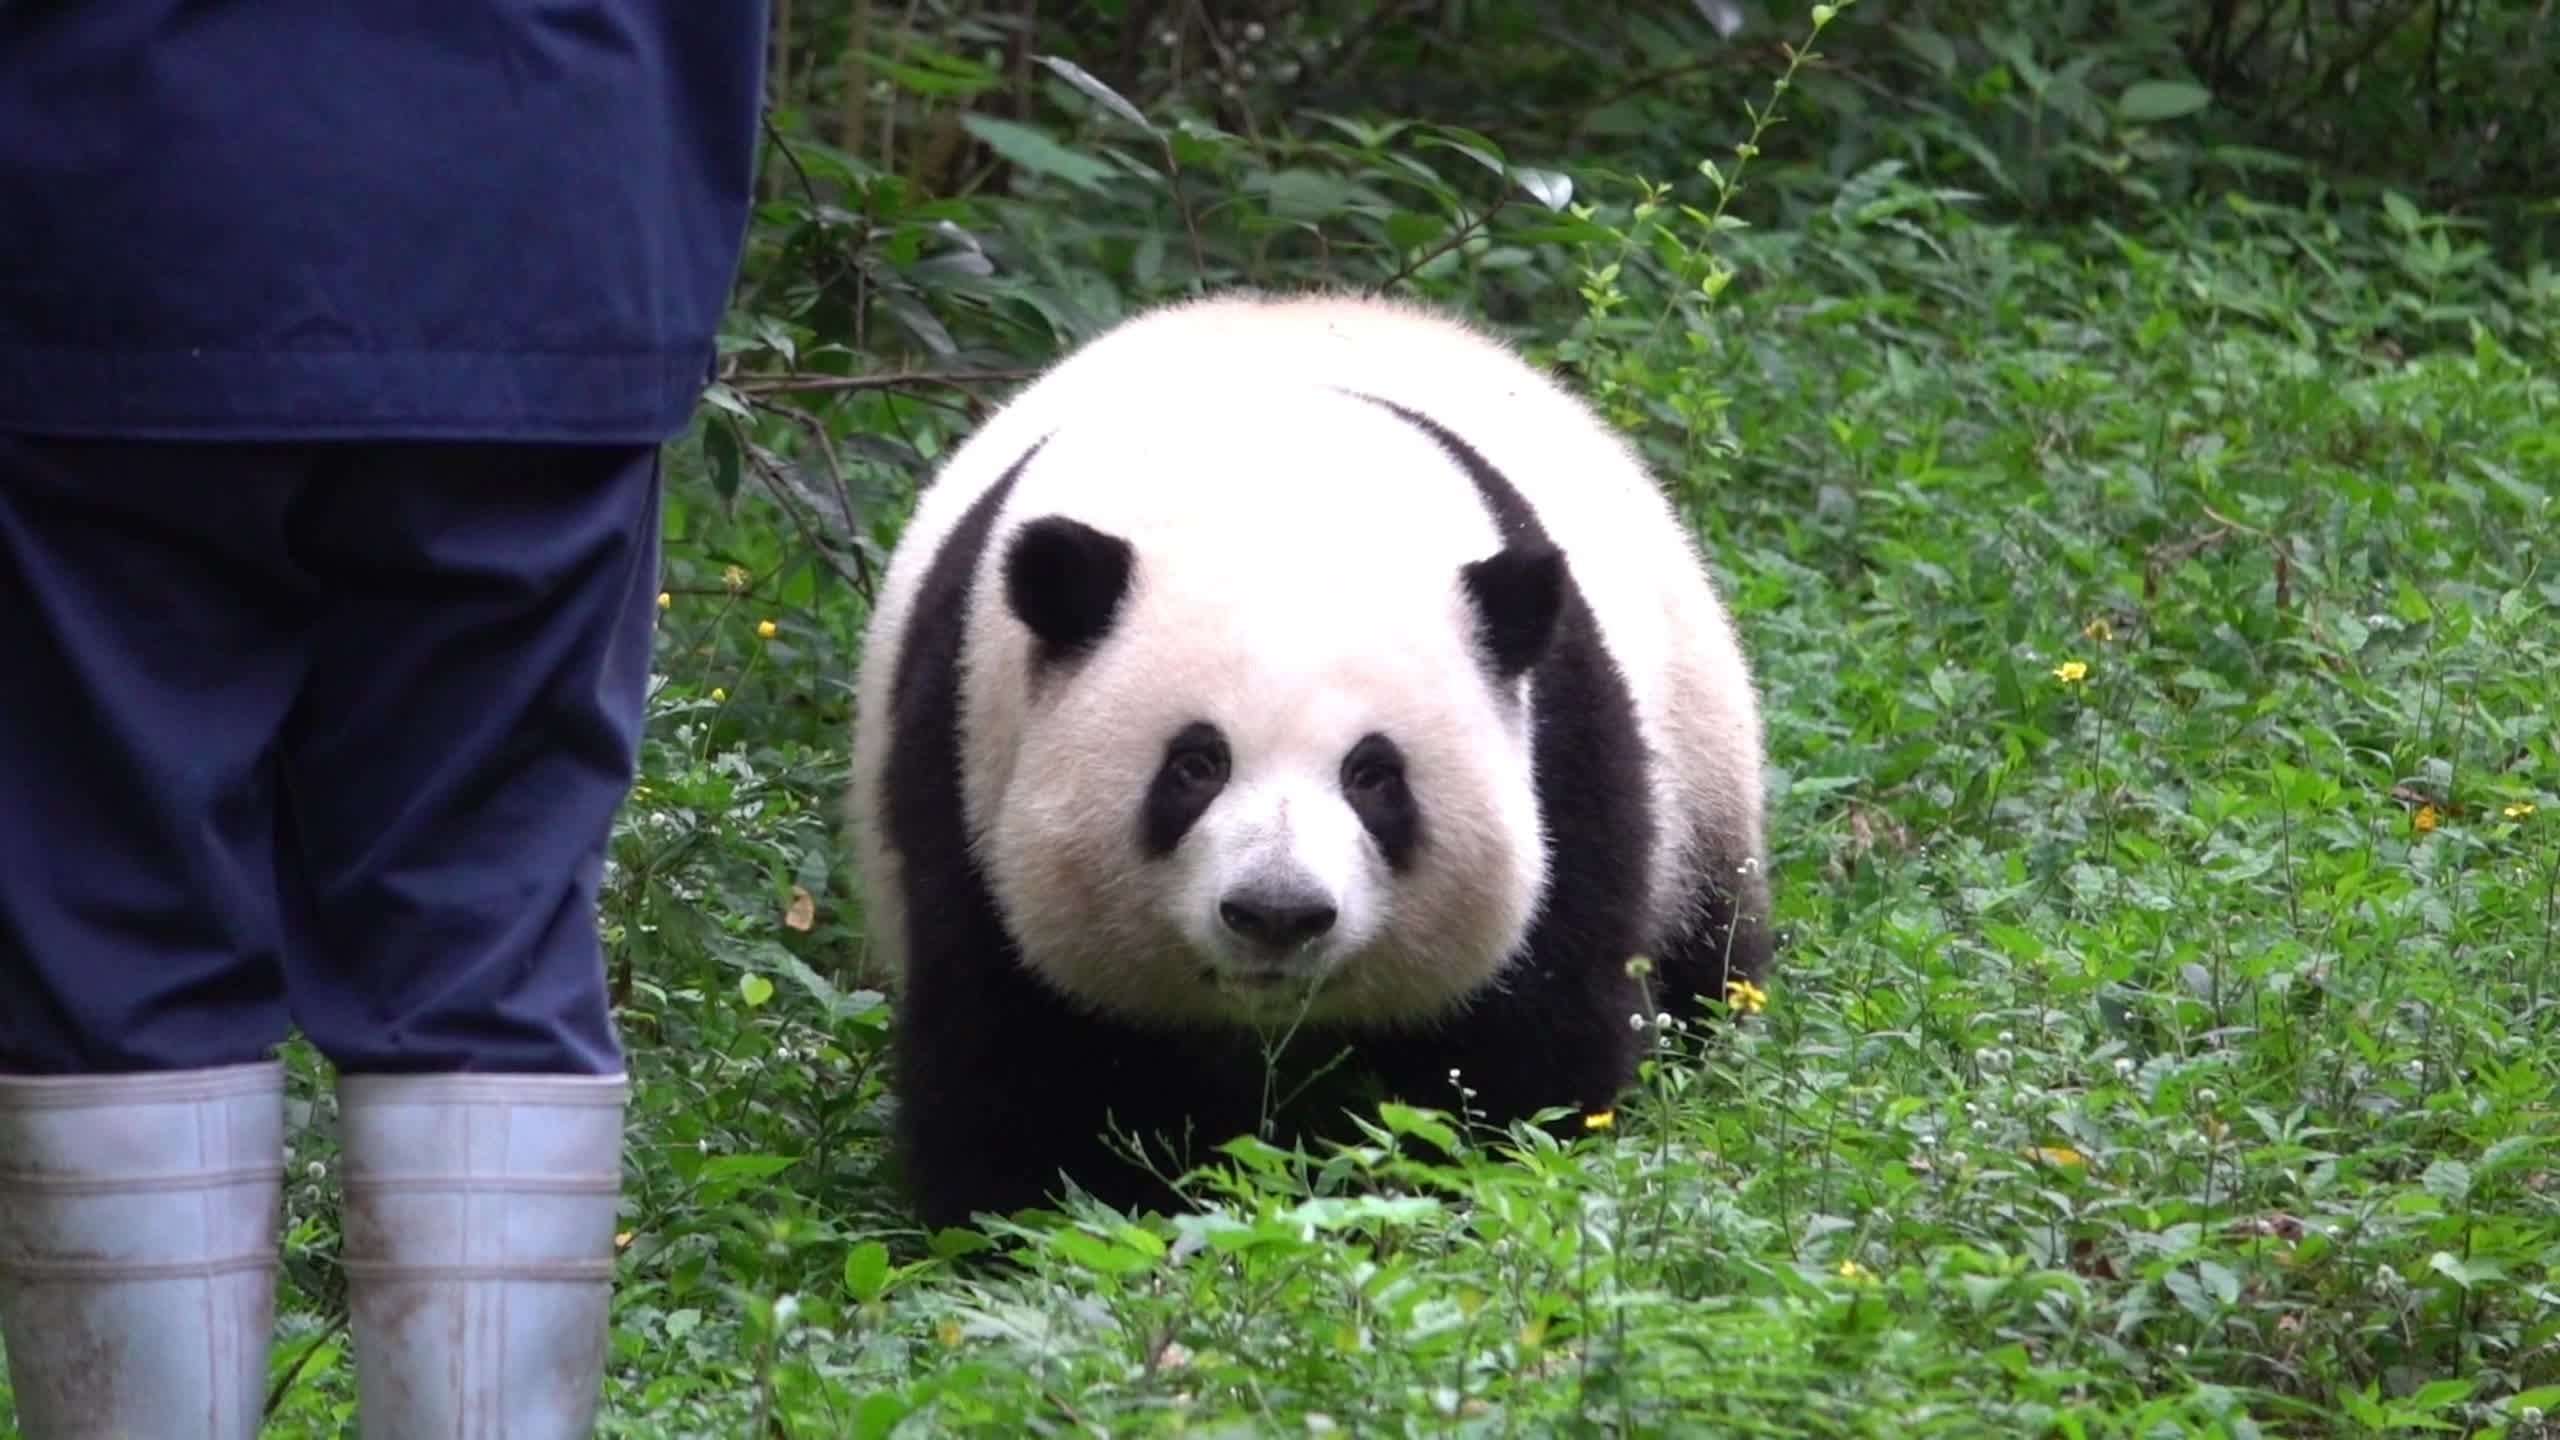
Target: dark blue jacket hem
x,y
636,397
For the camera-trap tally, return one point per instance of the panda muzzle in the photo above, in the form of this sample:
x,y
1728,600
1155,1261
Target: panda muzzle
x,y
1279,923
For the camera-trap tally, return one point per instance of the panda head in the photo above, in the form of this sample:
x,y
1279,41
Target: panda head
x,y
1245,789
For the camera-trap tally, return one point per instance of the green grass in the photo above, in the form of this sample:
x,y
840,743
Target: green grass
x,y
2139,1063
2167,1052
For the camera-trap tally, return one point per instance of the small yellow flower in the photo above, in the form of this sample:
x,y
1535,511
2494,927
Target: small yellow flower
x,y
2071,672
1744,996
719,696
735,577
2518,810
622,1240
2099,630
1600,1120
666,601
949,1333
766,629
1852,1270
2426,819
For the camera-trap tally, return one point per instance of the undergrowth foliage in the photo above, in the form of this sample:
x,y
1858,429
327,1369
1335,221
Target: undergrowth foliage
x,y
2156,625
2160,663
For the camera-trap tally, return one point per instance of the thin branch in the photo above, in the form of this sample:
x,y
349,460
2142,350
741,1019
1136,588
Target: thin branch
x,y
1647,80
889,116
1459,237
892,380
2355,55
846,266
2248,46
2275,548
1018,54
778,74
284,1383
1190,220
1353,48
856,112
2206,53
861,580
789,156
827,451
1226,66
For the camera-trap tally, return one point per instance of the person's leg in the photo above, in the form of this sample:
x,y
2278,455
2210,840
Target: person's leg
x,y
155,640
470,730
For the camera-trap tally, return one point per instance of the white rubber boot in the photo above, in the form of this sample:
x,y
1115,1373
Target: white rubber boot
x,y
479,1217
140,1216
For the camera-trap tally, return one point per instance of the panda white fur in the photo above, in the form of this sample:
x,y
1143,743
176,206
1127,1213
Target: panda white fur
x,y
1288,662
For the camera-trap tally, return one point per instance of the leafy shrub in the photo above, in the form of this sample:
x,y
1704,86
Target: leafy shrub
x,y
2145,558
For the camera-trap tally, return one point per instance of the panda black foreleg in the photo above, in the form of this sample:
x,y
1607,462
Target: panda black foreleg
x,y
1004,1086
1556,1032
1727,938
990,1114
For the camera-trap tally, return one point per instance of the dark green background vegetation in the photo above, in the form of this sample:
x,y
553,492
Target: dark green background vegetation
x,y
2127,435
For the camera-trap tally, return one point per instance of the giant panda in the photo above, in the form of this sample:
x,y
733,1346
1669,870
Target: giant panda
x,y
1286,702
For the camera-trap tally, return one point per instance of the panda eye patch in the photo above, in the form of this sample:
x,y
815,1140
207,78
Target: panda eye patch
x,y
1198,755
1195,767
1373,782
1196,764
1370,771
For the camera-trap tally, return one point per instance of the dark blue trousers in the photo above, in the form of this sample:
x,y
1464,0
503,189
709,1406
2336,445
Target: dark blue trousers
x,y
327,736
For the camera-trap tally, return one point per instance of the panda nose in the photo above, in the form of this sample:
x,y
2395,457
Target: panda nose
x,y
1278,921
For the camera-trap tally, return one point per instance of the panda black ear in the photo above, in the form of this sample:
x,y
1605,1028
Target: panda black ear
x,y
1064,579
1518,595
